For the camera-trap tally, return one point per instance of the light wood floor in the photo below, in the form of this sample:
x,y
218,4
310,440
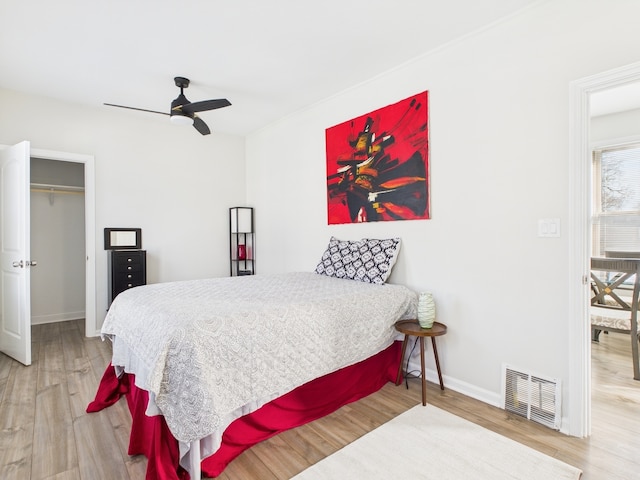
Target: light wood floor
x,y
46,434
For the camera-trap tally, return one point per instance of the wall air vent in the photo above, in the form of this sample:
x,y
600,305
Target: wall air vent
x,y
533,397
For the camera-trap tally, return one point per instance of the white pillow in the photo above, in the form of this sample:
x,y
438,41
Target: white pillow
x,y
368,260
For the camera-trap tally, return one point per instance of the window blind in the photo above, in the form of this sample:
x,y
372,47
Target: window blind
x,y
616,195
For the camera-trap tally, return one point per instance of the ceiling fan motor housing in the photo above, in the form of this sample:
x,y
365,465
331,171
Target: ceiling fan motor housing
x,y
177,115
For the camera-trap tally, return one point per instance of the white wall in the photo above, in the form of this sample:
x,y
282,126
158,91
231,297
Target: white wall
x,y
499,118
172,182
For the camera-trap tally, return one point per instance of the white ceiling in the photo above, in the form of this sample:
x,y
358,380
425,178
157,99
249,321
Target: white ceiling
x,y
269,58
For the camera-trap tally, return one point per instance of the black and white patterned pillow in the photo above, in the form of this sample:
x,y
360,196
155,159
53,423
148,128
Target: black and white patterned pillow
x,y
368,260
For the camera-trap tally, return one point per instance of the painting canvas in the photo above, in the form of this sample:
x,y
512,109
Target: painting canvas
x,y
378,164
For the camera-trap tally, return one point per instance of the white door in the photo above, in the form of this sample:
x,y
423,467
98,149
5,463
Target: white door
x,y
15,278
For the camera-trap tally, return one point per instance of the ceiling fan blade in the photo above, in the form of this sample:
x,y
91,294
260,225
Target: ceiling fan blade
x,y
134,108
200,126
205,105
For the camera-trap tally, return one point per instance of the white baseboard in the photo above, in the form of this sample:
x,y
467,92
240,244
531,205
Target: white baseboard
x,y
56,317
468,389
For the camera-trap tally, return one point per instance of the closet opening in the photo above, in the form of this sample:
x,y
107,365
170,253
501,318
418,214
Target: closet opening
x,y
58,245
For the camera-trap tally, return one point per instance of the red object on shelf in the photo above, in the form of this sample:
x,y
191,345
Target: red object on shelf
x,y
242,252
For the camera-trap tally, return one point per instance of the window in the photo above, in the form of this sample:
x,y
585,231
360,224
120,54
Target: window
x,y
616,200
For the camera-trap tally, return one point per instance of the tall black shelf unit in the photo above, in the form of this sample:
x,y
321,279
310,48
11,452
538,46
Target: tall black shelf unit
x,y
242,241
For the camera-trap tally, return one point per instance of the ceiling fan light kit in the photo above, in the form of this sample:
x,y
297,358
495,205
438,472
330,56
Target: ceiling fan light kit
x,y
183,112
181,119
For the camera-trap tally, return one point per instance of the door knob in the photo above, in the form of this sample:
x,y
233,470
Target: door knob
x,y
31,263
18,264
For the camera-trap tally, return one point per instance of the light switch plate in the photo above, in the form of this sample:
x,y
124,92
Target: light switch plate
x,y
549,227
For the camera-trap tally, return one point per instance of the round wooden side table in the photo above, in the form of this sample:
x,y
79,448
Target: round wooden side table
x,y
413,328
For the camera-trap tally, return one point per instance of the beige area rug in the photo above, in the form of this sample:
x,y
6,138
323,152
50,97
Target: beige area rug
x,y
430,443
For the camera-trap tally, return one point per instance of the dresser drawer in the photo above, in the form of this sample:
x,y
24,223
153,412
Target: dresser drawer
x,y
122,261
132,279
127,267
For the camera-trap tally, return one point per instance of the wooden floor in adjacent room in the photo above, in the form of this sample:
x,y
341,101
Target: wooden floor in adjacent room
x,y
46,434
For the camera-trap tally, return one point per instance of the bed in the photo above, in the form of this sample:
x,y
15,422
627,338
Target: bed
x,y
211,367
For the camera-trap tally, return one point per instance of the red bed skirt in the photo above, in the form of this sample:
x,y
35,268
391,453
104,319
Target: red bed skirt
x,y
150,436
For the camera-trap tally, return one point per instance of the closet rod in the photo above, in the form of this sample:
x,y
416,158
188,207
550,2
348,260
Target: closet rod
x,y
48,188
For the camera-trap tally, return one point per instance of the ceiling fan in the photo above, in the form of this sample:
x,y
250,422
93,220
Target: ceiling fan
x,y
183,112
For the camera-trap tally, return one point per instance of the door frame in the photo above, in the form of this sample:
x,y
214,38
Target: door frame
x,y
580,221
89,228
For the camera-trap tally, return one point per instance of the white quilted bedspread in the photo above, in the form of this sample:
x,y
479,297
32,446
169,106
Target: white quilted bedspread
x,y
212,350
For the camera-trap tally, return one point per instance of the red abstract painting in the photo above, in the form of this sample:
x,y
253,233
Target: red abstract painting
x,y
378,164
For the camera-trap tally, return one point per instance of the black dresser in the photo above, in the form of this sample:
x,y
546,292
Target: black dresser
x,y
127,269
